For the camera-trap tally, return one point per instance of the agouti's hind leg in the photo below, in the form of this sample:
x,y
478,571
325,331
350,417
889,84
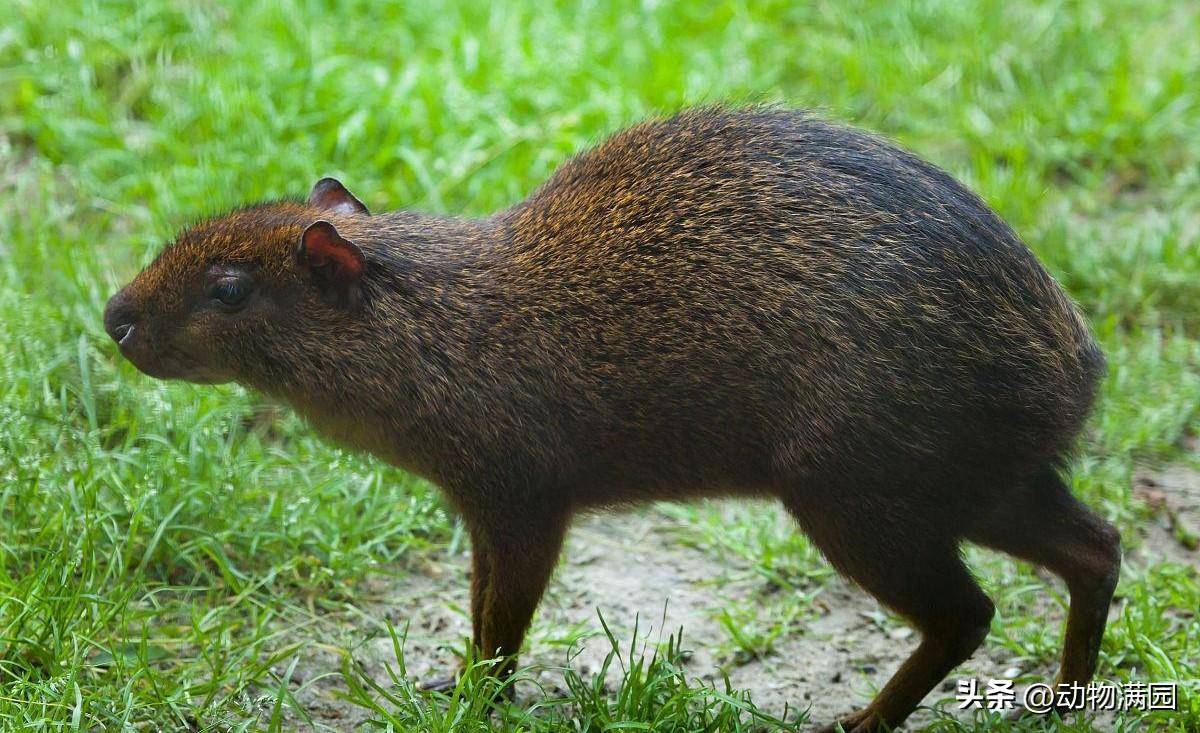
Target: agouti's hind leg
x,y
915,570
1044,524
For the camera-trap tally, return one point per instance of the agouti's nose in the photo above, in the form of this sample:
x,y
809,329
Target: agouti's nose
x,y
119,318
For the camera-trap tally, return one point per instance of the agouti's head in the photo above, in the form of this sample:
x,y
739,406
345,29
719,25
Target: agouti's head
x,y
238,297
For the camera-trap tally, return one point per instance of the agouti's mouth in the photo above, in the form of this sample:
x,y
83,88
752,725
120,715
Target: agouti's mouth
x,y
171,369
168,364
153,366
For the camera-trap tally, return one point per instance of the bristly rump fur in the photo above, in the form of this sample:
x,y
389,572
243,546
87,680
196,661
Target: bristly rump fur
x,y
750,302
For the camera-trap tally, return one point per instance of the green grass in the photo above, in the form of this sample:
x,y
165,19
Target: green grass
x,y
637,687
161,545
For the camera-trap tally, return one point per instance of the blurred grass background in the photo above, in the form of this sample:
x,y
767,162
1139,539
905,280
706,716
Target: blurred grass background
x,y
154,537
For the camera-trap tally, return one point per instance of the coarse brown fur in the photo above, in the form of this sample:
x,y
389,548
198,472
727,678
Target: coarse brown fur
x,y
750,302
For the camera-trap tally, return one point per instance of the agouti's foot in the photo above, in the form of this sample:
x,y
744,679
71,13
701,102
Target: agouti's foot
x,y
1020,713
438,684
1017,714
860,721
447,683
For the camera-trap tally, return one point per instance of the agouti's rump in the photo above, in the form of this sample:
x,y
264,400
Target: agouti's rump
x,y
726,301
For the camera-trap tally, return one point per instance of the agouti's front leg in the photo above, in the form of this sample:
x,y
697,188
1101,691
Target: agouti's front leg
x,y
479,583
512,563
512,558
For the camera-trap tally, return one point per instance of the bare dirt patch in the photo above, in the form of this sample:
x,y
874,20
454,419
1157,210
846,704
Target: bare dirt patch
x,y
1172,493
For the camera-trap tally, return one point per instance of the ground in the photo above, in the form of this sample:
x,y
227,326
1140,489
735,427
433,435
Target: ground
x,y
176,557
649,572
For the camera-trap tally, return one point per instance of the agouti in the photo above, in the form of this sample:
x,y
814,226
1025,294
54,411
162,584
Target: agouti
x,y
727,302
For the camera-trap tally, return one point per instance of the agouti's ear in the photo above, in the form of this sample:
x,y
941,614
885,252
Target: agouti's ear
x,y
331,195
334,264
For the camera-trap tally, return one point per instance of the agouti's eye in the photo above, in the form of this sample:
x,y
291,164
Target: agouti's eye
x,y
230,291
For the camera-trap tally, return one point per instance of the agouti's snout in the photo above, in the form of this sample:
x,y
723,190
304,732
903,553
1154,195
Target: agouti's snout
x,y
119,318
